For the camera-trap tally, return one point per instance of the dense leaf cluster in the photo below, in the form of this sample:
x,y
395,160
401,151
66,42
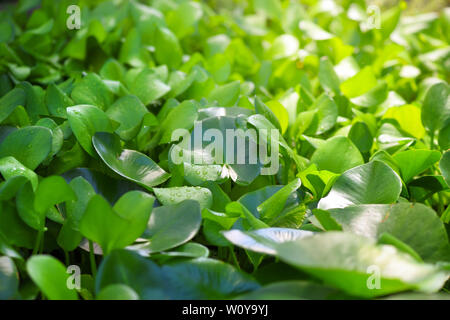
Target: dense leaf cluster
x,y
358,208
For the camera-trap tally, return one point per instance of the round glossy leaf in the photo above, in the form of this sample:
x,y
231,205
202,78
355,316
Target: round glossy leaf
x,y
291,290
325,157
129,268
206,279
436,107
414,162
172,225
130,164
415,224
29,145
263,240
360,135
51,277
351,263
10,167
370,183
174,195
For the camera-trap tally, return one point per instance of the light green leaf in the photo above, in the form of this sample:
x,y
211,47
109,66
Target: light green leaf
x,y
361,185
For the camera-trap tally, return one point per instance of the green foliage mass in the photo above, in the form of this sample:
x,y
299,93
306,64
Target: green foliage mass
x,y
358,206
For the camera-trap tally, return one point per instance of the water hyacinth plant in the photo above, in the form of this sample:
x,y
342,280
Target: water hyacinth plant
x,y
260,149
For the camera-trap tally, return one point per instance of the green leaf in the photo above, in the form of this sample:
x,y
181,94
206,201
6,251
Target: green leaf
x,y
361,185
52,190
444,165
57,135
148,86
325,220
327,113
117,227
167,48
25,200
129,112
30,145
359,84
324,156
280,112
237,209
10,168
13,228
271,8
414,162
183,19
291,290
171,226
92,91
50,276
130,164
273,206
351,263
129,268
187,250
206,279
180,117
57,101
327,76
415,224
361,136
264,110
408,117
9,278
225,95
9,188
117,292
386,238
174,195
264,240
10,101
313,31
85,121
373,97
436,107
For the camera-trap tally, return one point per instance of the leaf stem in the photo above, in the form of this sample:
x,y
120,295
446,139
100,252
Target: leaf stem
x,y
38,242
66,255
432,140
235,260
92,259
